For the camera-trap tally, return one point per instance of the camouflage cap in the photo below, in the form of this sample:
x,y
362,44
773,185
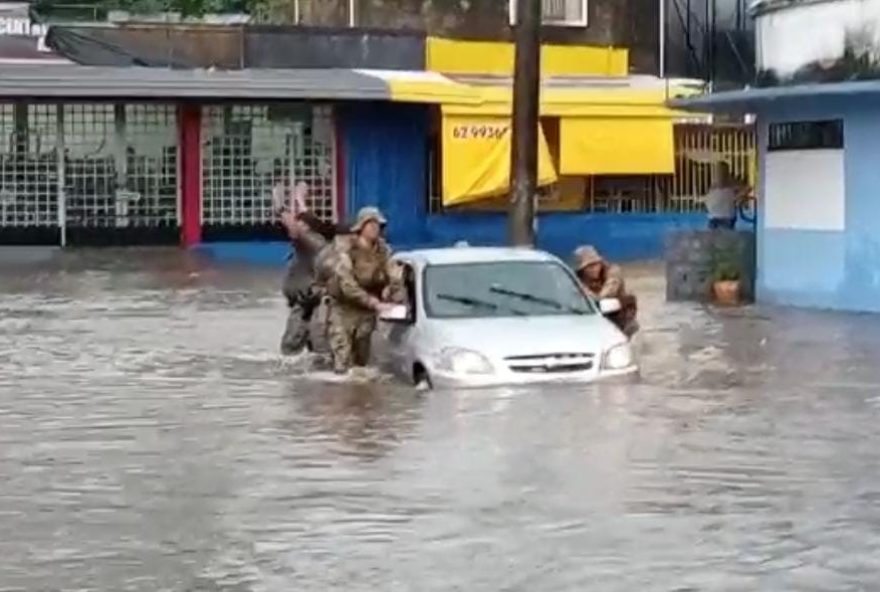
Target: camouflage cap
x,y
586,255
368,214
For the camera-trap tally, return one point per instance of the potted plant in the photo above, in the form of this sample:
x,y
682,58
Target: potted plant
x,y
726,278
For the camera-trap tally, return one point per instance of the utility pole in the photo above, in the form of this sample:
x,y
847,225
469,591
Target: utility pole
x,y
661,59
524,143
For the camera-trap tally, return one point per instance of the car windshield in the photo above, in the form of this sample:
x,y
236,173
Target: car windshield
x,y
502,289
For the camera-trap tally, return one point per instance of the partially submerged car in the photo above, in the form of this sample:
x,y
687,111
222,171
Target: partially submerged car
x,y
480,316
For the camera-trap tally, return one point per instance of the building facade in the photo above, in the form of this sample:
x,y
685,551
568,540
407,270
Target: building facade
x,y
818,124
182,167
22,41
204,124
621,23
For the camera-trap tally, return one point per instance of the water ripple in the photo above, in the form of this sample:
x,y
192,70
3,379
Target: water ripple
x,y
152,440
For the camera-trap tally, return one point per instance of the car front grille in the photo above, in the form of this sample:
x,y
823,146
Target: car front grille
x,y
551,363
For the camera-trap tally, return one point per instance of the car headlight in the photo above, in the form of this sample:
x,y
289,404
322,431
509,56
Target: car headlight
x,y
618,357
456,360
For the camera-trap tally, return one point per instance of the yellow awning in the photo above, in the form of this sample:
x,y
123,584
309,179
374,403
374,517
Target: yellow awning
x,y
616,146
560,97
425,87
476,158
582,98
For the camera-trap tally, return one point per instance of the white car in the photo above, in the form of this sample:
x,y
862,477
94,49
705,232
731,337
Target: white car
x,y
499,316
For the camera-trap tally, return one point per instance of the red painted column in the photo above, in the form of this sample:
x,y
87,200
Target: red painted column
x,y
190,149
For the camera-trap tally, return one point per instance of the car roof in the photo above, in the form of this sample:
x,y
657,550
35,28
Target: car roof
x,y
466,254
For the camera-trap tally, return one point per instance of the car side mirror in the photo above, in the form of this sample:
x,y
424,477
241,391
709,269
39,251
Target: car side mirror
x,y
399,313
609,306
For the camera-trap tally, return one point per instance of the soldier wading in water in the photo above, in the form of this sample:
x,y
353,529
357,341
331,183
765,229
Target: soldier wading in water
x,y
362,282
309,236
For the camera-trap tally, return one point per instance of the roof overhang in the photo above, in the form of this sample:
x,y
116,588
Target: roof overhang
x,y
579,96
754,100
49,82
761,7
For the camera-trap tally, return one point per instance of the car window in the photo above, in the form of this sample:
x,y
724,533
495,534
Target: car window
x,y
409,283
502,289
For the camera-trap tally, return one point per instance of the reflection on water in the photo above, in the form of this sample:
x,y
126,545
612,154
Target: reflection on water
x,y
152,440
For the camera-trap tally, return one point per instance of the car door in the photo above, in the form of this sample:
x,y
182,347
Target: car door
x,y
398,335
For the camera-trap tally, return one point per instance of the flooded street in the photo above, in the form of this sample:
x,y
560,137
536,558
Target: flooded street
x,y
152,439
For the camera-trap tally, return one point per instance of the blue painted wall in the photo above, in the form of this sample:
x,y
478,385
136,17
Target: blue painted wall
x,y
861,287
620,237
832,270
386,165
274,254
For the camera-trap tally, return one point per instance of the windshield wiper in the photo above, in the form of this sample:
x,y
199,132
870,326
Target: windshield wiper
x,y
467,301
536,299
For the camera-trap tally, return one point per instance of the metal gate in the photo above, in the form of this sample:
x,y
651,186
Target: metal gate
x,y
117,163
120,172
29,197
250,152
697,146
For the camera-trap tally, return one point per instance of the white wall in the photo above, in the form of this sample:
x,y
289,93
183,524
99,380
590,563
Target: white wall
x,y
792,37
15,21
805,190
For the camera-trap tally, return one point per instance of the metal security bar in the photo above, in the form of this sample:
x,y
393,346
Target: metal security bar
x,y
697,146
121,166
117,165
89,166
28,171
805,135
564,11
250,152
151,143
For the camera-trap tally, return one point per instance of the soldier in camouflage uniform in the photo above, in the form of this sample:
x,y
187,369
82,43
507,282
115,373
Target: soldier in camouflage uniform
x,y
309,236
363,281
602,280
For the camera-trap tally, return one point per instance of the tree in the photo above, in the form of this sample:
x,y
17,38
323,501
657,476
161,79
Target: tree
x,y
70,9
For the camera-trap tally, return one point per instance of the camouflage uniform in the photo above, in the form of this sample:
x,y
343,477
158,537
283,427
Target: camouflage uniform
x,y
357,278
301,291
609,285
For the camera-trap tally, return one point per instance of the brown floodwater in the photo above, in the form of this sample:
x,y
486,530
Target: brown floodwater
x,y
152,439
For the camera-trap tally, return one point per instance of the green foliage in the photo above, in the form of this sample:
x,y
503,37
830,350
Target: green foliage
x,y
99,10
725,265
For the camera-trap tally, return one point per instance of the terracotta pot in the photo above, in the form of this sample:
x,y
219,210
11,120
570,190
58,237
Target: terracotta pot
x,y
726,293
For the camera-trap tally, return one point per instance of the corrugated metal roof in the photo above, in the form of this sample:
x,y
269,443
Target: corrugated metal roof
x,y
639,82
44,81
760,7
188,45
754,99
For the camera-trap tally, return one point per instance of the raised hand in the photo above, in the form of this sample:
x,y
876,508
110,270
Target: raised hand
x,y
298,197
279,197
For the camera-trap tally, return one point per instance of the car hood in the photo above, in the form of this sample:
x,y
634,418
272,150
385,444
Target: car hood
x,y
517,336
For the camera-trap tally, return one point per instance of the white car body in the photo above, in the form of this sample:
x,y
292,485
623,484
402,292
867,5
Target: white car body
x,y
499,350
